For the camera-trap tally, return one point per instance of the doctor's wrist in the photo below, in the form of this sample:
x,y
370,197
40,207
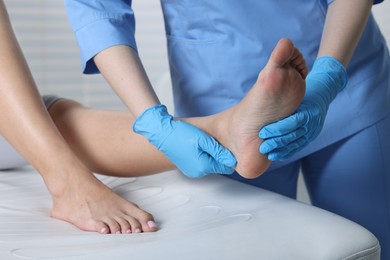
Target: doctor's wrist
x,y
331,68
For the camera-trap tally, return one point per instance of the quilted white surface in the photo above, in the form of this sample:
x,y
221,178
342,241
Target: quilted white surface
x,y
211,218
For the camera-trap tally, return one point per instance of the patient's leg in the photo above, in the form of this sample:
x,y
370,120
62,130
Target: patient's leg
x,y
105,142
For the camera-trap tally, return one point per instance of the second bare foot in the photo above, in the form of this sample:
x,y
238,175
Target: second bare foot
x,y
92,206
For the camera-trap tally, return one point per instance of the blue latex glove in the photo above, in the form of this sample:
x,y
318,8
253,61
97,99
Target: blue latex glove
x,y
286,137
194,152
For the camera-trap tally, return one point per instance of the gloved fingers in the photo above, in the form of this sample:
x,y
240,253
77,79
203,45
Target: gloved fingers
x,y
288,151
294,151
195,153
271,144
284,126
215,167
216,151
222,169
207,165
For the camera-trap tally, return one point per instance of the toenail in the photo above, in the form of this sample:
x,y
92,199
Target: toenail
x,y
138,230
128,231
118,232
152,224
103,230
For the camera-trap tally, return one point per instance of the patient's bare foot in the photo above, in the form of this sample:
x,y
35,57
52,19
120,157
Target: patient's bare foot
x,y
279,89
92,206
82,200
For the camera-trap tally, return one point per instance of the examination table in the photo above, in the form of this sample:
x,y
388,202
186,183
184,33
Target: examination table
x,y
209,218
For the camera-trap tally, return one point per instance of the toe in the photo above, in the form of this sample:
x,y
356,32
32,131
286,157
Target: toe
x,y
101,227
147,222
282,53
125,226
149,226
299,63
144,219
135,226
113,225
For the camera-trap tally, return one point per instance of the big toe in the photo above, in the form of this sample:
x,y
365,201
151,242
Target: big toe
x,y
282,53
147,221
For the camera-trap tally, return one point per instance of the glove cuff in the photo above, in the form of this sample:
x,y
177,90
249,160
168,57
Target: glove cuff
x,y
155,123
334,69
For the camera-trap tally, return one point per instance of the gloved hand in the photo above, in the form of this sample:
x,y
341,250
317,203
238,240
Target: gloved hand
x,y
286,137
194,152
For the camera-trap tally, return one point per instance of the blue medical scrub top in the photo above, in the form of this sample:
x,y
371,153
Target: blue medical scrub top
x,y
217,48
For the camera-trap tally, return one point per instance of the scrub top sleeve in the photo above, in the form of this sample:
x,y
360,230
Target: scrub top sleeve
x,y
99,25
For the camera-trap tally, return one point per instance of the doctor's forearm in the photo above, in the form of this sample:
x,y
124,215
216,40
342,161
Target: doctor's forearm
x,y
344,25
123,70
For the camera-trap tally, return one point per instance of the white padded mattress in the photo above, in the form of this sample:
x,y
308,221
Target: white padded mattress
x,y
210,218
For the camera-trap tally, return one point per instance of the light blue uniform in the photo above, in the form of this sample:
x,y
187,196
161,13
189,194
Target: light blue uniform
x,y
216,50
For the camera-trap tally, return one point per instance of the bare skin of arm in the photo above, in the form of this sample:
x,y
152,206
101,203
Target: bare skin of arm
x,y
344,25
122,68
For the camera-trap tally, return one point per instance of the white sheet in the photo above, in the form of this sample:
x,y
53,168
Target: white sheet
x,y
211,218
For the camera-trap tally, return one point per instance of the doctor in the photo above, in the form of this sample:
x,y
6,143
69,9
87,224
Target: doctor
x,y
338,137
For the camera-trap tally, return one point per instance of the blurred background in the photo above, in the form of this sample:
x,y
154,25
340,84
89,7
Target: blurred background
x,y
48,43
